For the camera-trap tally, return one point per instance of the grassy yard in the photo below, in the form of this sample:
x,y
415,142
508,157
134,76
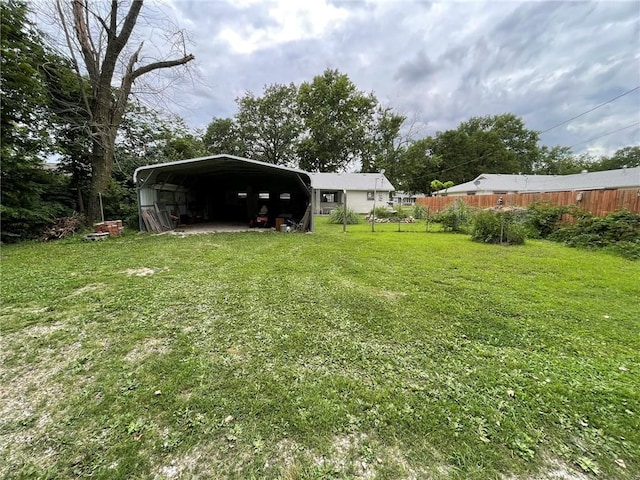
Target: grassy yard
x,y
359,355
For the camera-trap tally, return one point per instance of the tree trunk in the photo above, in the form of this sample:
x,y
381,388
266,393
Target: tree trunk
x,y
102,156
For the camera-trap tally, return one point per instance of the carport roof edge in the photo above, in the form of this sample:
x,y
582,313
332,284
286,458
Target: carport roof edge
x,y
161,166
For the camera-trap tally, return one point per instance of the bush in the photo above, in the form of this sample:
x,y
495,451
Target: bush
x,y
544,218
382,212
419,212
120,202
618,232
337,216
455,218
504,227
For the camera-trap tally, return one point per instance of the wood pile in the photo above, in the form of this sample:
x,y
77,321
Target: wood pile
x,y
62,227
152,222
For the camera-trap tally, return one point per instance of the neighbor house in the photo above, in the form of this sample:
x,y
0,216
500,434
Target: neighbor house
x,y
363,190
502,184
406,199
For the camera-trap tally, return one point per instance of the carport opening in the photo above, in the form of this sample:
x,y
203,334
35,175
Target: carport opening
x,y
230,192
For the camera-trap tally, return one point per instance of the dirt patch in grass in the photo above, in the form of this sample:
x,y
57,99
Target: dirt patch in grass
x,y
144,271
390,295
556,469
203,461
31,396
151,346
92,287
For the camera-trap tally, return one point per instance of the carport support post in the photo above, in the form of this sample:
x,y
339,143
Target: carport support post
x,y
344,211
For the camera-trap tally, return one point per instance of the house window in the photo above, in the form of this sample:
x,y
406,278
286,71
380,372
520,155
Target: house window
x,y
370,196
285,196
380,196
329,197
242,194
263,195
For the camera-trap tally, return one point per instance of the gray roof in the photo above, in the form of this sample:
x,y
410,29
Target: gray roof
x,y
495,182
351,181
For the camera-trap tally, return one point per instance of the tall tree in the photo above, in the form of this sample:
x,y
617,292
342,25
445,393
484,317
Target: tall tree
x,y
223,136
557,160
269,125
418,167
385,143
99,39
519,144
336,118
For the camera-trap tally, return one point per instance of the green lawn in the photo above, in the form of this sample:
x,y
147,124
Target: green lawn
x,y
330,355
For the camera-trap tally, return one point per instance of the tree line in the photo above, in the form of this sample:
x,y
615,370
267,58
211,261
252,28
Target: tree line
x,y
99,134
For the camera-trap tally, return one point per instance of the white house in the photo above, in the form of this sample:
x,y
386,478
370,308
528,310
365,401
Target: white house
x,y
364,190
502,184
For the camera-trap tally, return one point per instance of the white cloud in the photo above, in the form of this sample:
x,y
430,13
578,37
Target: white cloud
x,y
292,21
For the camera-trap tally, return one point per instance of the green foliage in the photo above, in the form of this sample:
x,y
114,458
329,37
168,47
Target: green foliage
x,y
120,202
336,117
618,232
31,196
498,226
382,212
223,136
385,212
497,144
419,212
544,218
337,216
437,185
456,217
269,126
384,145
624,157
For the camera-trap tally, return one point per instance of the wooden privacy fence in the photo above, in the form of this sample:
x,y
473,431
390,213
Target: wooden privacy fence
x,y
596,202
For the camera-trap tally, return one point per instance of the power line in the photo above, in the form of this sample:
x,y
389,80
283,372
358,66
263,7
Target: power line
x,y
606,134
589,111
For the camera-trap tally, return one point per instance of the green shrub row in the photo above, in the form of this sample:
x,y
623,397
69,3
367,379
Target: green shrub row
x,y
618,232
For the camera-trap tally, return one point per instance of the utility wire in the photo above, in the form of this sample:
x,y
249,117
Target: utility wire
x,y
606,134
589,111
482,157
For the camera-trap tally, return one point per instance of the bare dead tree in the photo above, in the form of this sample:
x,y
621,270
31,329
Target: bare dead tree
x,y
100,47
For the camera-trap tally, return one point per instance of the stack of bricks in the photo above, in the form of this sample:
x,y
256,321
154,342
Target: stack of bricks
x,y
112,227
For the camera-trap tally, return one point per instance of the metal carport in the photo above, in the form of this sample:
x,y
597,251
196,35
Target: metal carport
x,y
221,188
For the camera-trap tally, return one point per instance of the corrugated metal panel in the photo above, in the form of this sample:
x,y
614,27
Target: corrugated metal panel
x,y
148,196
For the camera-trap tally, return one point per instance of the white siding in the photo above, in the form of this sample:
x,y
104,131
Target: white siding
x,y
357,200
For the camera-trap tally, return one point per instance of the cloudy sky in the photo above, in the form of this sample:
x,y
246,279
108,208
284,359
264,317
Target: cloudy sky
x,y
437,63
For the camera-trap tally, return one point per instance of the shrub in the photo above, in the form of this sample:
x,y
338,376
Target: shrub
x,y
544,218
504,227
618,232
419,211
337,216
121,203
382,212
455,218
